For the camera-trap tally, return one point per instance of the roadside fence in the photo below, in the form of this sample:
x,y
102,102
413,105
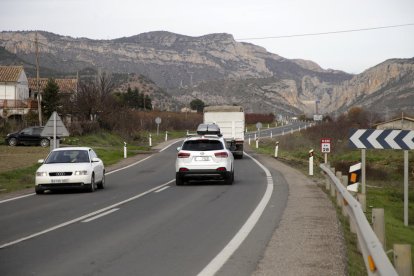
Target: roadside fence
x,y
375,258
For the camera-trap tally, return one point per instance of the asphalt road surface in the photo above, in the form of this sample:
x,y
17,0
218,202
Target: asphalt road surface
x,y
142,224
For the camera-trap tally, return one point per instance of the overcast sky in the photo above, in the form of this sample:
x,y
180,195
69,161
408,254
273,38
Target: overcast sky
x,y
352,52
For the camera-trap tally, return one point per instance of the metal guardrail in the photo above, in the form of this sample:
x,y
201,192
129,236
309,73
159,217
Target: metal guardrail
x,y
375,258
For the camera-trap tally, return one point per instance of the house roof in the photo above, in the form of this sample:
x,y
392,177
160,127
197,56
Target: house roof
x,y
10,73
396,120
65,85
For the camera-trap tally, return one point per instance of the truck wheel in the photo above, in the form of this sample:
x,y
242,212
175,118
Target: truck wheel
x,y
238,156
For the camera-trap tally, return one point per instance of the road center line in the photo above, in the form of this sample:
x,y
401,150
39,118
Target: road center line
x,y
101,215
217,263
85,216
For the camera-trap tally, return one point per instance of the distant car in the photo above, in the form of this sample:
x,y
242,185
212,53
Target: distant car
x,y
204,157
27,136
70,168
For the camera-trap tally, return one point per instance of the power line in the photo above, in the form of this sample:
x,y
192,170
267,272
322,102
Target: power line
x,y
327,33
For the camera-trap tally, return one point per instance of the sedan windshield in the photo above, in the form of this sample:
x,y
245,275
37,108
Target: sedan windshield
x,y
202,145
68,156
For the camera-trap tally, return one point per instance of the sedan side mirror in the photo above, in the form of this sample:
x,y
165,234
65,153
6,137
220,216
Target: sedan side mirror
x,y
95,159
179,148
41,161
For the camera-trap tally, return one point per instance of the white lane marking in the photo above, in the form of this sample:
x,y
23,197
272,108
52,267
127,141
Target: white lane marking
x,y
85,216
162,189
108,173
15,198
101,215
214,266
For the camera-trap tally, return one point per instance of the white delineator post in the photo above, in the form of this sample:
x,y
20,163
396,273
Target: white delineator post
x,y
311,162
257,143
150,140
166,136
276,149
125,150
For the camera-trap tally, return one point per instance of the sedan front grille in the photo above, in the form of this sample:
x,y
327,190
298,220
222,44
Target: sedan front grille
x,y
60,173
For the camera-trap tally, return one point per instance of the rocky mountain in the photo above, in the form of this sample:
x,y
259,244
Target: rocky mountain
x,y
218,70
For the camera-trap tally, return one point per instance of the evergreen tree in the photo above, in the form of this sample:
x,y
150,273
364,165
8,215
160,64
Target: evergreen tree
x,y
51,98
148,103
197,104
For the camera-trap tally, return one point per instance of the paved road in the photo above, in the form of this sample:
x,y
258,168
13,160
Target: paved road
x,y
277,131
141,224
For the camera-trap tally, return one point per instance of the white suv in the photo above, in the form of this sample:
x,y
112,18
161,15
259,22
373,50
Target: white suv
x,y
204,157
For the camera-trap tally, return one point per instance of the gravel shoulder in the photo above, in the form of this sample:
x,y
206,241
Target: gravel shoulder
x,y
309,238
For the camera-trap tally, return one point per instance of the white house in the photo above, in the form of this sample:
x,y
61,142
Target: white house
x,y
14,91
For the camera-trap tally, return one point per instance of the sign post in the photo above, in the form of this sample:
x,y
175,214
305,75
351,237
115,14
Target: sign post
x,y
384,139
326,147
54,128
158,122
259,126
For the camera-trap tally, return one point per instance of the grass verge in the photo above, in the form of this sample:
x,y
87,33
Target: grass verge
x,y
109,147
388,194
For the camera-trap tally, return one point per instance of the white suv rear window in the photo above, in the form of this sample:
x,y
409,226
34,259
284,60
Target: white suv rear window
x,y
202,145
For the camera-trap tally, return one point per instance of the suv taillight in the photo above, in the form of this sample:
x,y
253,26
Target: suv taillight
x,y
183,155
221,154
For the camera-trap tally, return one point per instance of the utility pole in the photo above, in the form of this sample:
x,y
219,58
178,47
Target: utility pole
x,y
39,96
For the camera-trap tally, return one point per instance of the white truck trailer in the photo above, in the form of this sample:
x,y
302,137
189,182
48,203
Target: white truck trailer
x,y
230,119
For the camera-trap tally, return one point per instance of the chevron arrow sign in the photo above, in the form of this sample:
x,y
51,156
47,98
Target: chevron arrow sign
x,y
381,139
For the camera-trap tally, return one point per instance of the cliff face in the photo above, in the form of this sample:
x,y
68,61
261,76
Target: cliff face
x,y
220,70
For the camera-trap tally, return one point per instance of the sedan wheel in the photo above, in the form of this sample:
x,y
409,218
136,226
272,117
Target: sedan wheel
x,y
12,142
92,187
44,142
101,184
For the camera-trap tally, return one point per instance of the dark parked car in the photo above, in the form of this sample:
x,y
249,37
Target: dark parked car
x,y
27,136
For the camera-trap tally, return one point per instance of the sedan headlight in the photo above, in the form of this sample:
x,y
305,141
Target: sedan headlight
x,y
81,172
41,173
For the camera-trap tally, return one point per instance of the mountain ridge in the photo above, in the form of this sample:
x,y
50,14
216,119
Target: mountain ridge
x,y
185,66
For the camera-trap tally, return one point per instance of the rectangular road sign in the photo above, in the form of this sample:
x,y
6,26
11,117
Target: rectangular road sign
x,y
381,139
326,145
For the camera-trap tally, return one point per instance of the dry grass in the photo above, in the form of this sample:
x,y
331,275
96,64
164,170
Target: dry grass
x,y
12,158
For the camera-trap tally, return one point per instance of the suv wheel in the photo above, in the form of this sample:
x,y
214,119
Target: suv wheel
x,y
12,142
179,180
44,142
230,178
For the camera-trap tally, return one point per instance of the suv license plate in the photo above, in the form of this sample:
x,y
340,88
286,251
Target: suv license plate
x,y
202,158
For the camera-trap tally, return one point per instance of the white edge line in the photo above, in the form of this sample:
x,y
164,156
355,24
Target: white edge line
x,y
217,263
171,145
84,217
16,198
101,215
162,189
